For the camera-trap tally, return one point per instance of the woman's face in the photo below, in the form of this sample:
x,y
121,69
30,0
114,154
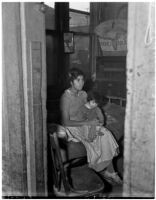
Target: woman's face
x,y
78,83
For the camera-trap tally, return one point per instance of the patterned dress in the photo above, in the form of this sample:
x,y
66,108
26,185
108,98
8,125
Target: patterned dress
x,y
101,151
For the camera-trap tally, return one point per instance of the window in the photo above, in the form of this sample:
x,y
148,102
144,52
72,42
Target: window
x,y
79,22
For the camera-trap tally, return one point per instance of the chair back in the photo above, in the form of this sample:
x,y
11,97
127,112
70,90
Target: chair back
x,y
73,149
59,174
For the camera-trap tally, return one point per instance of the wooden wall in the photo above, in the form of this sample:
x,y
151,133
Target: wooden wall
x,y
139,151
24,99
14,176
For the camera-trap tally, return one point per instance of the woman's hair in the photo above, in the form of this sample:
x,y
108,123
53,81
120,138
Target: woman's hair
x,y
74,73
93,95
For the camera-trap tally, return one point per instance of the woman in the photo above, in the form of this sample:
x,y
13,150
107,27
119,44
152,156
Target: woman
x,y
103,148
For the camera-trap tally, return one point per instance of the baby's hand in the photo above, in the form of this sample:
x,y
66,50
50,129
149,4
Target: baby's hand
x,y
92,136
89,140
92,139
100,133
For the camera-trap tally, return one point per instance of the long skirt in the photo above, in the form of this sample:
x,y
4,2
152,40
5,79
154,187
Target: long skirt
x,y
101,151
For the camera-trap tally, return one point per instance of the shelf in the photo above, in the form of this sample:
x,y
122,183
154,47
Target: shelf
x,y
110,80
111,59
112,69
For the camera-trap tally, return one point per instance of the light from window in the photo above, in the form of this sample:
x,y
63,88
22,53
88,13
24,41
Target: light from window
x,y
84,6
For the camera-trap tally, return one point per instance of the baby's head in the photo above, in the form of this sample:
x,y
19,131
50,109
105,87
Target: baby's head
x,y
93,98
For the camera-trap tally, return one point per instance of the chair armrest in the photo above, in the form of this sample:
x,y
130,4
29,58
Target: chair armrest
x,y
75,162
73,149
60,130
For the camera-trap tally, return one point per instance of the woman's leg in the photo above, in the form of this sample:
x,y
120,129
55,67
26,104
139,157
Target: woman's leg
x,y
110,168
110,175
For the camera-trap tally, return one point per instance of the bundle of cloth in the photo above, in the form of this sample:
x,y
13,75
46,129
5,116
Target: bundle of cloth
x,y
115,116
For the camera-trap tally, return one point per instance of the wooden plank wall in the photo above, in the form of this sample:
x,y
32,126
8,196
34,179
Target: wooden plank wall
x,y
36,94
139,145
14,176
24,100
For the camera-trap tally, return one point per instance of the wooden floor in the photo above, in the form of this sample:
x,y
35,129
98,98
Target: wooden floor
x,y
116,192
82,180
112,191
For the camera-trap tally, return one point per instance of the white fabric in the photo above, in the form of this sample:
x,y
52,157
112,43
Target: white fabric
x,y
100,151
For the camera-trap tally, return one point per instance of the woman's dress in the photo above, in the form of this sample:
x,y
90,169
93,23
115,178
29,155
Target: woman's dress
x,y
101,151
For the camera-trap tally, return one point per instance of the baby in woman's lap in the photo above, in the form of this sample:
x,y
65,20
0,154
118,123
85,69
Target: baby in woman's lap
x,y
89,112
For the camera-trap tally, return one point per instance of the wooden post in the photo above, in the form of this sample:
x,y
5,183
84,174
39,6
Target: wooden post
x,y
62,25
139,147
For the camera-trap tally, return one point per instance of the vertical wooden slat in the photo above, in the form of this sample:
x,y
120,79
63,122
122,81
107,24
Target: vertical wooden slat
x,y
29,122
36,67
93,38
14,147
35,35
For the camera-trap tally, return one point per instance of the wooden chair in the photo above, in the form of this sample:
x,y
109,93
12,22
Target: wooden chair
x,y
81,181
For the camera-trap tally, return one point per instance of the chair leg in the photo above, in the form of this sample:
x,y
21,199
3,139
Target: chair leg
x,y
56,181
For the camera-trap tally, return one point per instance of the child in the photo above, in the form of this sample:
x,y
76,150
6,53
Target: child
x,y
91,111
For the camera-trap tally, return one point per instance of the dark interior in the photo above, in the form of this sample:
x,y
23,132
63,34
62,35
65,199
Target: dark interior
x,y
110,69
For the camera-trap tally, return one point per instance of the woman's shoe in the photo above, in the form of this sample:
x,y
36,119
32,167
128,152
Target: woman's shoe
x,y
112,178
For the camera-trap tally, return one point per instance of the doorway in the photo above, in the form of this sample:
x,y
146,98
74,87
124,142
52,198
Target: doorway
x,y
104,66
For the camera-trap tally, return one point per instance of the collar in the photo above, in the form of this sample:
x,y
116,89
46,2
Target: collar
x,y
74,94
